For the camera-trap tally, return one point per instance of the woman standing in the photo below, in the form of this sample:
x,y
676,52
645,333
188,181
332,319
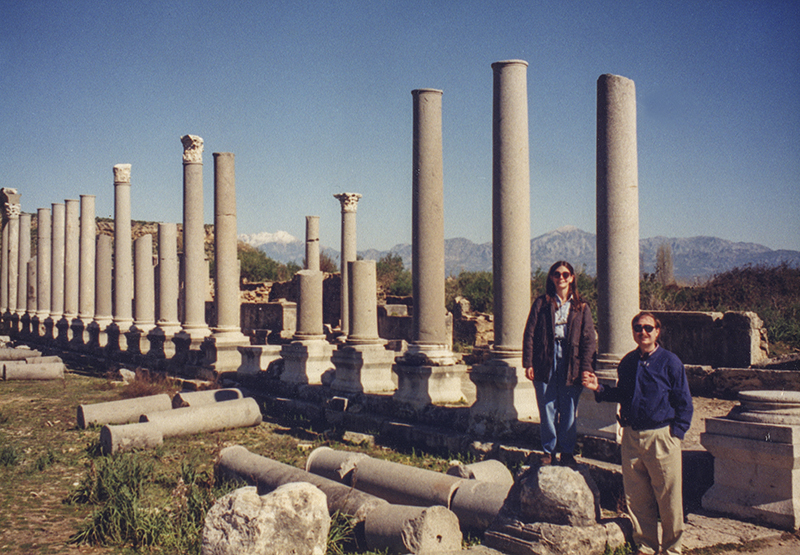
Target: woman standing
x,y
559,344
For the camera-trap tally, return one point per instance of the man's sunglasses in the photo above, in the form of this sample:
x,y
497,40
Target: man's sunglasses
x,y
638,328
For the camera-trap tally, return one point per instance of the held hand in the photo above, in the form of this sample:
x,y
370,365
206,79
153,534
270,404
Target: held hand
x,y
590,381
529,373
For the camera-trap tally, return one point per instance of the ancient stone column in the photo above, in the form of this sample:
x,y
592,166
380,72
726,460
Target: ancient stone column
x,y
30,318
57,234
22,263
11,215
617,215
43,267
8,197
349,202
167,322
362,363
72,248
503,392
168,277
123,255
86,277
427,372
195,266
617,241
102,292
312,242
308,356
222,347
144,283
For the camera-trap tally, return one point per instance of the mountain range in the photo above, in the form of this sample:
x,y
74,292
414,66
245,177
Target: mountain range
x,y
694,258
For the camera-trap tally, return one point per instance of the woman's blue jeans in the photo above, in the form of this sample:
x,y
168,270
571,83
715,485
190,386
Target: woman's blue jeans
x,y
558,405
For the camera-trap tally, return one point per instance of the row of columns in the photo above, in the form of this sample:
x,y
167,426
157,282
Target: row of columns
x,y
427,371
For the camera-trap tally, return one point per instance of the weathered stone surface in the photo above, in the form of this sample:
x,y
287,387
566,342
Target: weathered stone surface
x,y
557,495
121,412
544,538
406,529
293,519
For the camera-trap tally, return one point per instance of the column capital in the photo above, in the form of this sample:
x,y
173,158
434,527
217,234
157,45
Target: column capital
x,y
12,210
122,173
192,149
349,201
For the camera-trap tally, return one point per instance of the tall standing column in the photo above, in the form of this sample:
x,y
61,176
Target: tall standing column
x,y
617,215
195,267
349,202
312,243
8,197
86,277
72,247
168,278
503,392
427,373
57,234
22,264
12,212
221,348
123,254
144,296
98,337
617,240
43,220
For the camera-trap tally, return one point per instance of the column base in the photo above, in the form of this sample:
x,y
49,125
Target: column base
x,y
257,358
756,473
160,343
98,339
115,331
307,361
63,334
600,419
419,386
188,346
14,325
503,396
221,350
80,334
364,368
25,325
137,341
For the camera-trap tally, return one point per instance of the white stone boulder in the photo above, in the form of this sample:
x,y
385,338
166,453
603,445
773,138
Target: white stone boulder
x,y
293,519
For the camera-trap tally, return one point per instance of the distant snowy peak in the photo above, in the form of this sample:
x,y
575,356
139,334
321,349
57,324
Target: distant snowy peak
x,y
266,238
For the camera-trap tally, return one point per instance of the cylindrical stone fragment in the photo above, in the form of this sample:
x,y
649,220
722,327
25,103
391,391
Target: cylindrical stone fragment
x,y
238,413
8,353
127,437
312,242
490,470
309,309
477,503
236,462
407,529
123,411
36,371
617,214
41,359
363,302
205,397
397,483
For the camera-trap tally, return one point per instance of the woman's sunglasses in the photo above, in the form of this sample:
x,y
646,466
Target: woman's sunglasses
x,y
564,275
648,328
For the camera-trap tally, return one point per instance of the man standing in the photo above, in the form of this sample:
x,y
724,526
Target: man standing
x,y
655,413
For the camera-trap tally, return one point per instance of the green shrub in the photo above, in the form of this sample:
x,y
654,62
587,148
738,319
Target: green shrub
x,y
392,276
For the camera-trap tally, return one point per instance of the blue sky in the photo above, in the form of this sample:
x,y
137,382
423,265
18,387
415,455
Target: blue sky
x,y
314,98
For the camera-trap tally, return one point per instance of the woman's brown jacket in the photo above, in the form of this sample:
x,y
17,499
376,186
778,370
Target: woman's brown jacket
x,y
580,346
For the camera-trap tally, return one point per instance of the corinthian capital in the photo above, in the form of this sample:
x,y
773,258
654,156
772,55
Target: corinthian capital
x,y
192,149
349,201
122,173
13,210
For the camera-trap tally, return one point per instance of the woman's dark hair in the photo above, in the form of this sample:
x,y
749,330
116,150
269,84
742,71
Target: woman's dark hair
x,y
550,288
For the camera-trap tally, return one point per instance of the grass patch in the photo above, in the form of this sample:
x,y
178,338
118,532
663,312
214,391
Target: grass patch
x,y
9,456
